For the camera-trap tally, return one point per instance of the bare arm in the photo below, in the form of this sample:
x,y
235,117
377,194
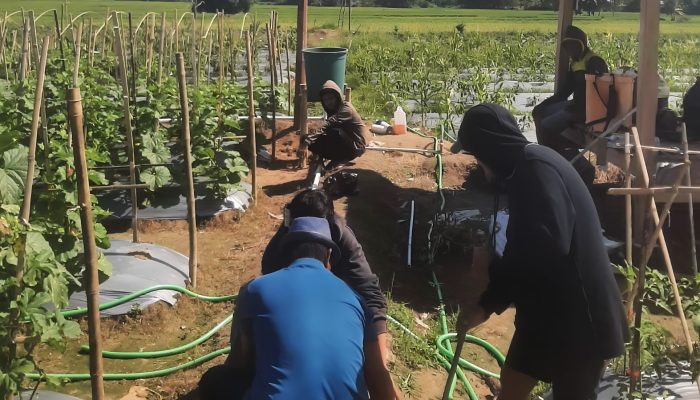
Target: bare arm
x,y
378,378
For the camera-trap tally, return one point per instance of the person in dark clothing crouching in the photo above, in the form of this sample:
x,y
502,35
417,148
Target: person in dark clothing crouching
x,y
342,137
352,266
556,113
554,268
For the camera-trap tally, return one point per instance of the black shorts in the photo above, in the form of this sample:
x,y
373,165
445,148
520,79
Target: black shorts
x,y
573,372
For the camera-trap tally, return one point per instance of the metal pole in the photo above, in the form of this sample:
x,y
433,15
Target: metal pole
x,y
191,212
92,282
251,118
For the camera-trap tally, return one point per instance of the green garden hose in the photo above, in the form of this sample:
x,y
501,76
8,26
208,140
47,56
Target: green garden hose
x,y
133,375
130,355
116,302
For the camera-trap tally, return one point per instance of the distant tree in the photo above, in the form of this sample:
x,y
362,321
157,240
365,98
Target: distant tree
x,y
395,3
497,4
227,6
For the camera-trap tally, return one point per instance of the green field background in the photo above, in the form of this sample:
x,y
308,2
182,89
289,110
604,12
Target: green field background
x,y
372,19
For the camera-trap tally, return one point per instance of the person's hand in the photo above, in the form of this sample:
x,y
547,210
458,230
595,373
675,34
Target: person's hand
x,y
470,317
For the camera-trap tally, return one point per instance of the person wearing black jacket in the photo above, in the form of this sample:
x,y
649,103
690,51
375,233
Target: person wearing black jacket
x,y
554,268
352,267
556,113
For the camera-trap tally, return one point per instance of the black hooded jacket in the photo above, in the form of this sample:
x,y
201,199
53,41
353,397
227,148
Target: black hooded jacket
x,y
554,269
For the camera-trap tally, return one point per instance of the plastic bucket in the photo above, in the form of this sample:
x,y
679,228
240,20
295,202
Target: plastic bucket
x,y
322,64
624,86
597,95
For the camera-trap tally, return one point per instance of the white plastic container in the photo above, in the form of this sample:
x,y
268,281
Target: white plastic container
x,y
399,121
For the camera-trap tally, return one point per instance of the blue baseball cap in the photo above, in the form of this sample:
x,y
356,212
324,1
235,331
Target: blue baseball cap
x,y
311,229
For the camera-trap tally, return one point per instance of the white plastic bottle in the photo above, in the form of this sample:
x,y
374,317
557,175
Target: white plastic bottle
x,y
399,121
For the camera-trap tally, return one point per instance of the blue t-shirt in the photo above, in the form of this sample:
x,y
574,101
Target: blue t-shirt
x,y
308,328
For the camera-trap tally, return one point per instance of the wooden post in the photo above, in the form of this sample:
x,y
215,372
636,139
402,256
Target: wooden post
x,y
273,97
299,75
566,17
648,71
693,249
121,61
251,119
76,64
187,151
92,283
161,48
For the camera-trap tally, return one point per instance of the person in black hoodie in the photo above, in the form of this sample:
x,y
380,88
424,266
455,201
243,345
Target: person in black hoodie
x,y
342,137
553,115
554,268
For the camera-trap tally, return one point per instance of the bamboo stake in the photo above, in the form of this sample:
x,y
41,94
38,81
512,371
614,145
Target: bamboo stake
x,y
121,61
289,76
652,190
59,28
628,202
76,64
34,38
3,38
150,39
299,76
207,65
91,43
132,60
273,97
278,50
193,46
232,55
92,288
161,48
177,33
662,244
191,212
24,57
303,126
221,53
14,45
691,218
27,198
104,37
251,119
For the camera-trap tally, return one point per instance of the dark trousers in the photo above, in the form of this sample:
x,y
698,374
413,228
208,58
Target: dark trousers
x,y
573,371
550,121
222,382
333,145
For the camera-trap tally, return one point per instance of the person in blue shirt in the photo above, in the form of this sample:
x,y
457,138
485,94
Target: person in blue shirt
x,y
302,333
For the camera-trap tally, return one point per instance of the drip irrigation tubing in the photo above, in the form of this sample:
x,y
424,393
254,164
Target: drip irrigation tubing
x,y
121,300
130,355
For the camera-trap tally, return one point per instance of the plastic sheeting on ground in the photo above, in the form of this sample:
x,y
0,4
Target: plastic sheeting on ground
x,y
137,266
674,384
171,204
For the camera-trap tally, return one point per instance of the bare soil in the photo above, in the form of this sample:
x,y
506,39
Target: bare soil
x,y
231,246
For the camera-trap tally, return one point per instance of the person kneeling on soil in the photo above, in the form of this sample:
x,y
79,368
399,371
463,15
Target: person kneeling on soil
x,y
554,268
352,266
342,138
300,332
556,113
